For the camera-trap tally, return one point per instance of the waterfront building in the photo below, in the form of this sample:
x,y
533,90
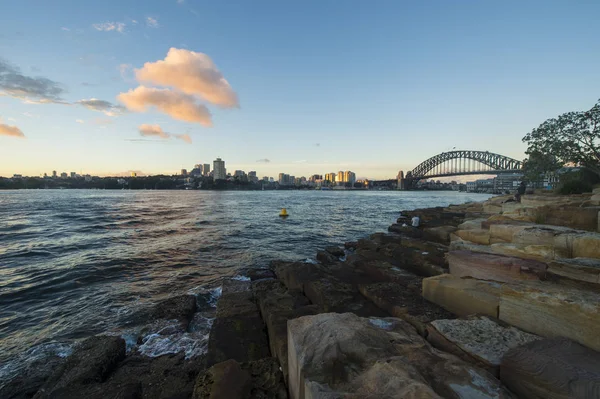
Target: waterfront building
x,y
184,172
220,173
330,177
206,169
239,173
64,175
54,174
133,174
340,177
349,177
73,175
252,176
284,179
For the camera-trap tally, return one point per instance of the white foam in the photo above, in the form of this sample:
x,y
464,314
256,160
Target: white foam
x,y
192,344
241,278
310,260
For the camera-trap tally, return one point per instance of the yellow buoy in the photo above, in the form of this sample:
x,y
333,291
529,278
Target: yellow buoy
x,y
283,213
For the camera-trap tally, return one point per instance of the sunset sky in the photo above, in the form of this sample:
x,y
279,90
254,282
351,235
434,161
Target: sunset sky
x,y
300,87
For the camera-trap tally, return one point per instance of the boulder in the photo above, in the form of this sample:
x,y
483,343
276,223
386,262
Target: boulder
x,y
479,340
505,232
295,274
439,234
30,379
181,307
542,253
577,269
386,238
225,380
595,199
477,236
350,245
463,296
577,217
539,235
472,224
404,302
408,231
335,251
552,310
91,363
552,369
341,355
260,274
326,258
266,379
494,267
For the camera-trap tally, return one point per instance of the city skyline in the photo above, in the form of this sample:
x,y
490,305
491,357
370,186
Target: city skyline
x,y
317,87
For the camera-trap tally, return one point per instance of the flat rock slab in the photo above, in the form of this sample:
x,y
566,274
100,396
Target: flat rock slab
x,y
334,355
552,369
578,245
439,234
542,253
577,269
479,340
552,310
477,236
494,267
463,296
472,224
405,303
295,274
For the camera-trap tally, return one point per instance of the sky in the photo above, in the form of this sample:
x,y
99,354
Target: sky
x,y
300,87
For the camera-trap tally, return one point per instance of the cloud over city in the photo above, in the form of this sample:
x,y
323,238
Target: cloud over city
x,y
12,131
148,130
192,73
264,160
15,84
175,104
110,26
152,22
107,107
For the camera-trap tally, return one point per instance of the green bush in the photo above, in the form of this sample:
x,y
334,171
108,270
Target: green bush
x,y
575,187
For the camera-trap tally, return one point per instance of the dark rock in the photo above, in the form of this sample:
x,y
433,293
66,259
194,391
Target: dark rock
x,y
336,251
225,380
350,245
30,380
266,379
408,231
386,238
326,258
366,244
92,362
551,369
181,307
295,274
168,376
260,274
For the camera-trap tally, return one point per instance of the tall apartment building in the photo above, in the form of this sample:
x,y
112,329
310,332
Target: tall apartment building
x,y
206,169
220,173
349,177
330,177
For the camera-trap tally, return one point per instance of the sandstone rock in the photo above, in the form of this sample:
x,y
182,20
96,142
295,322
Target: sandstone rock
x,y
295,274
578,245
225,380
578,269
335,251
463,297
462,245
542,253
596,191
91,363
342,355
492,208
439,234
405,302
595,200
552,369
539,235
326,258
477,236
552,311
473,224
576,217
479,340
494,267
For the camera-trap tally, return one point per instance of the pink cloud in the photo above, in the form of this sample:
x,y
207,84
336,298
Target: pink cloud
x,y
192,73
148,130
177,105
12,131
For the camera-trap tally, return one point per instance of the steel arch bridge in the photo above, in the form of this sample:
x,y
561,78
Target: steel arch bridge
x,y
464,162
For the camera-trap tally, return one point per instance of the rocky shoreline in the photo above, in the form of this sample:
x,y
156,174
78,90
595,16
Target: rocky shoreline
x,y
484,300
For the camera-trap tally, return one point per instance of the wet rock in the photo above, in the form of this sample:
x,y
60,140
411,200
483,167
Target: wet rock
x,y
181,307
376,358
295,274
328,293
238,331
386,238
439,234
30,380
335,251
478,340
408,231
494,267
552,311
91,363
552,369
350,245
167,376
404,301
266,379
260,274
326,258
367,244
225,380
463,296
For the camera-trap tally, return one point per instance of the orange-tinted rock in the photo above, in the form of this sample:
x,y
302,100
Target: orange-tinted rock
x,y
494,267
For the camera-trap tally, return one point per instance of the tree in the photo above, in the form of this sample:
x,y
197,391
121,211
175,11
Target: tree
x,y
572,138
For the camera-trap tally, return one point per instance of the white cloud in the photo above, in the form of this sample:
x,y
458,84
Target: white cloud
x,y
65,29
147,130
79,121
191,72
12,131
175,104
30,115
33,90
125,71
133,21
110,26
152,22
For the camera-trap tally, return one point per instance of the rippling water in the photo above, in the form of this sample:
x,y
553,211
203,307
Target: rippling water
x,y
75,263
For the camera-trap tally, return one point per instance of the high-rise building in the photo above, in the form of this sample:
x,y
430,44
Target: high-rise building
x,y
220,173
206,169
284,179
252,176
330,177
184,172
54,174
64,175
349,177
239,173
73,175
340,177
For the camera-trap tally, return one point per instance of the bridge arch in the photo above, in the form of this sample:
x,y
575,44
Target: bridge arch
x,y
460,164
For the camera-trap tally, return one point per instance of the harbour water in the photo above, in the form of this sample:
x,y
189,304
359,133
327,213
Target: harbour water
x,y
76,263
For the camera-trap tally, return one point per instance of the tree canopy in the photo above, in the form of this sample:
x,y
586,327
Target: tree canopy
x,y
571,138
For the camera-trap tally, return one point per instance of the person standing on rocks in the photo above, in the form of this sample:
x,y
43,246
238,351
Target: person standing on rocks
x,y
520,191
415,221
